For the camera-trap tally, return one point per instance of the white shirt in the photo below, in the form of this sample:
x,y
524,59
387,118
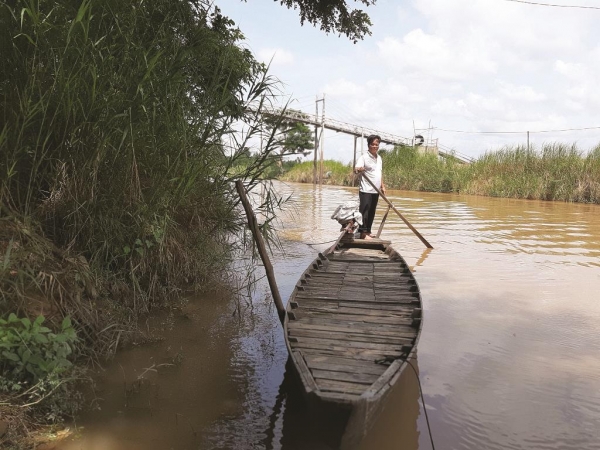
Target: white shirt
x,y
373,168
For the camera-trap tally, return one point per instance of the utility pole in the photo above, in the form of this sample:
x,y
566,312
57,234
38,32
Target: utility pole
x,y
362,142
317,100
354,159
528,141
322,145
316,140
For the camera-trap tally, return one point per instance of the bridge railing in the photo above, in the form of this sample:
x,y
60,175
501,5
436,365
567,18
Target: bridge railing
x,y
358,131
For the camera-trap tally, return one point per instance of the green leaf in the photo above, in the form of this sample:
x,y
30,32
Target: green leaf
x,y
26,355
40,338
126,250
66,323
39,320
6,262
63,363
36,359
10,355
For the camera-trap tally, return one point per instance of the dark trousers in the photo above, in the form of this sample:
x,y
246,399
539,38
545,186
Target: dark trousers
x,y
368,205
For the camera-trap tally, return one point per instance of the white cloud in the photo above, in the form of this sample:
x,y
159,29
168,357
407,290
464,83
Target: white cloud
x,y
449,106
485,65
275,56
574,71
427,54
521,93
581,82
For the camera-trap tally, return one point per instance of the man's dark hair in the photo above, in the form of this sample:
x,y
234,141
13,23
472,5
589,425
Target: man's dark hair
x,y
372,137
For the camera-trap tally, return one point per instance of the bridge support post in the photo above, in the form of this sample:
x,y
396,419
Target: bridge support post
x,y
354,160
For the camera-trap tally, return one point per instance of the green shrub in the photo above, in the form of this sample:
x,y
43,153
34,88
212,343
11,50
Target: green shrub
x,y
31,352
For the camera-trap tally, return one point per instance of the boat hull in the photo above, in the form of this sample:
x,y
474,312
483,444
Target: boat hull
x,y
352,322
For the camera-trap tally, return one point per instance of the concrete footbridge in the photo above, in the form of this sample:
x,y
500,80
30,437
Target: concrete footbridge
x,y
359,131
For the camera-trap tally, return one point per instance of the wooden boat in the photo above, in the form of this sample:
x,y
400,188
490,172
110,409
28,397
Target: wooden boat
x,y
352,321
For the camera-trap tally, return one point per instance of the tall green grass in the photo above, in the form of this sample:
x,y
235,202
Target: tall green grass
x,y
334,173
119,130
554,172
406,168
112,126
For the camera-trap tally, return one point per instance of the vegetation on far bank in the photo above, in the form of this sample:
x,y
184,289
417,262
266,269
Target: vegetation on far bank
x,y
554,172
334,172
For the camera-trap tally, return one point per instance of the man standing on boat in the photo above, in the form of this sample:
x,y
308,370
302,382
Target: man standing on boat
x,y
369,165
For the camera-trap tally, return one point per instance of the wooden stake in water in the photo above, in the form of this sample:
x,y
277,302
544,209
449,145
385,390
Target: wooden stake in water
x,y
262,250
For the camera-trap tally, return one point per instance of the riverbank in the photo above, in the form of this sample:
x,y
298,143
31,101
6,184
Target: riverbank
x,y
116,183
555,172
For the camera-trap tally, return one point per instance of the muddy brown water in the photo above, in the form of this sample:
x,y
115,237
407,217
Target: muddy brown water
x,y
508,356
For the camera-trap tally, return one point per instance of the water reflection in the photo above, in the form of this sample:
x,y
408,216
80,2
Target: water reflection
x,y
507,356
421,259
290,426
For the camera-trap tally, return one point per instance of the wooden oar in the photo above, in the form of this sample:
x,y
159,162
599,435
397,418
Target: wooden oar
x,y
427,244
344,231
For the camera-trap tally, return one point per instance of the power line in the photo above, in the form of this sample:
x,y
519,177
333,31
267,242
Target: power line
x,y
553,5
515,132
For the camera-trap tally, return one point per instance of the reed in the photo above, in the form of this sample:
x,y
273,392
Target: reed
x,y
555,172
406,168
118,135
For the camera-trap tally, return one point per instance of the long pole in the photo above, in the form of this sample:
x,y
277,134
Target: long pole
x,y
262,250
354,159
362,142
322,145
316,141
414,230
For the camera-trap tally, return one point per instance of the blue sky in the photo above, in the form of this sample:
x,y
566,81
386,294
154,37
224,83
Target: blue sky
x,y
462,67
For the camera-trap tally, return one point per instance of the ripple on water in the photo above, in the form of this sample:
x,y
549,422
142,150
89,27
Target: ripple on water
x,y
508,354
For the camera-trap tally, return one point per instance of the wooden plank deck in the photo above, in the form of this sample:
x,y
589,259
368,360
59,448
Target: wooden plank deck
x,y
357,305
